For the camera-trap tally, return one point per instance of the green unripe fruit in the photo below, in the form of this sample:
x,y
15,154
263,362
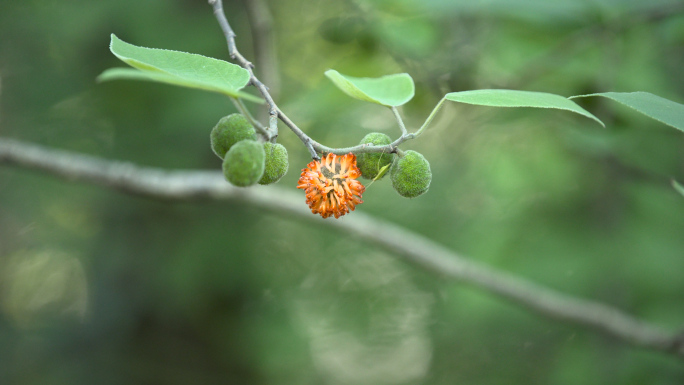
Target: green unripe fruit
x,y
244,163
411,175
228,131
276,163
371,164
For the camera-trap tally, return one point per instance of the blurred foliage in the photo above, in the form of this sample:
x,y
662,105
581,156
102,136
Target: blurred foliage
x,y
99,287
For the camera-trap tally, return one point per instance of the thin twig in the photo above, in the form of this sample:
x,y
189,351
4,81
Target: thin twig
x,y
365,148
236,55
411,247
315,148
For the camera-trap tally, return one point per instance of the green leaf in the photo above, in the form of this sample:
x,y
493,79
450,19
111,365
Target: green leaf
x,y
653,106
677,186
178,68
391,90
382,172
513,98
161,77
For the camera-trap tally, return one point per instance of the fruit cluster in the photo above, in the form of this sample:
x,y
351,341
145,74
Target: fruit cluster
x,y
247,161
409,172
331,186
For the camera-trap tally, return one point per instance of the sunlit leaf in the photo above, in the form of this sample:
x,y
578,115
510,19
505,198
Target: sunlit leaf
x,y
677,186
178,68
653,106
513,98
390,90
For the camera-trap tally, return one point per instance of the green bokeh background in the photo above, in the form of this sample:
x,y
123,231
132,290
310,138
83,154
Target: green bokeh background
x,y
98,287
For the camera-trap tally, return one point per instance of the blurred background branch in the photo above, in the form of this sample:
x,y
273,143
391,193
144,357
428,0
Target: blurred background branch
x,y
193,185
261,24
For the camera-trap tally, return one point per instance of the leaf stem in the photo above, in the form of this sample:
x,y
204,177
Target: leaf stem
x,y
257,125
430,117
395,111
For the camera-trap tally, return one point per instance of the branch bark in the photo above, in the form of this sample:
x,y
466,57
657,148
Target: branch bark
x,y
411,247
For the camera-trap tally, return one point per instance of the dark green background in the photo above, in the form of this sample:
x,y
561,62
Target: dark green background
x,y
98,287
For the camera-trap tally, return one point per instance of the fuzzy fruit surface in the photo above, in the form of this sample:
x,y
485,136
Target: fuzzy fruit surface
x,y
228,131
410,174
276,163
371,164
244,163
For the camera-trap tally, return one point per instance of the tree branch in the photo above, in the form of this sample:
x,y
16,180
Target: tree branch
x,y
314,147
411,247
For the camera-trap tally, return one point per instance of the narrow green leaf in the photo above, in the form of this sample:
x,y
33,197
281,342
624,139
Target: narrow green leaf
x,y
677,186
161,77
382,172
661,109
513,98
179,68
391,90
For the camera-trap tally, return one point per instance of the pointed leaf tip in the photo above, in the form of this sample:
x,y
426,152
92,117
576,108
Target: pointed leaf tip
x,y
663,110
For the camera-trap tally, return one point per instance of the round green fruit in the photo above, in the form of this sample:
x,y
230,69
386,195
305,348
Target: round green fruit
x,y
276,163
410,174
371,164
228,131
244,163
